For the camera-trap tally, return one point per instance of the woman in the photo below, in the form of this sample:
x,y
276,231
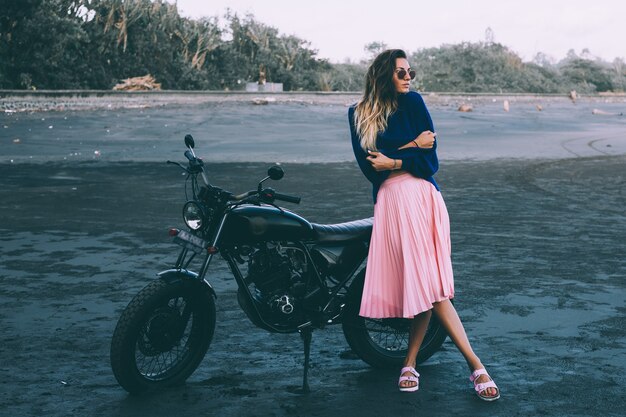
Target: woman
x,y
409,271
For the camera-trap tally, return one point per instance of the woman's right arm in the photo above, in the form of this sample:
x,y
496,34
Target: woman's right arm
x,y
422,163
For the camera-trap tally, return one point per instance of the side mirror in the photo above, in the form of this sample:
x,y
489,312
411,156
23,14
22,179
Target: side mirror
x,y
275,172
189,141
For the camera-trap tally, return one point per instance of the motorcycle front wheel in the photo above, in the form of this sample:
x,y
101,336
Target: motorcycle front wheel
x,y
162,335
384,343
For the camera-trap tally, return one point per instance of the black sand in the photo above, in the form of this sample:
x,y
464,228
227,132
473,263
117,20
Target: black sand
x,y
538,250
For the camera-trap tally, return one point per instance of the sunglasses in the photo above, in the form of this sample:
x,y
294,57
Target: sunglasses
x,y
402,73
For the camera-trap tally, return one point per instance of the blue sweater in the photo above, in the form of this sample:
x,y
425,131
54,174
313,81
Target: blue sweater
x,y
405,124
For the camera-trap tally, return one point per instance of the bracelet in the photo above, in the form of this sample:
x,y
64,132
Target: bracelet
x,y
416,145
394,165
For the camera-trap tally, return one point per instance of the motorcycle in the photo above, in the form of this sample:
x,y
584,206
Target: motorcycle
x,y
293,276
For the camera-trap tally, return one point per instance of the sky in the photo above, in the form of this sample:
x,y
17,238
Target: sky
x,y
339,30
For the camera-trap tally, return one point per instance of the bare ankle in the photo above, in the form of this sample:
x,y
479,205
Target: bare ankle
x,y
475,364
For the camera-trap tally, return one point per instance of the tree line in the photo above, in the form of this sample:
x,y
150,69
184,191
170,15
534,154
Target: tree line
x,y
94,44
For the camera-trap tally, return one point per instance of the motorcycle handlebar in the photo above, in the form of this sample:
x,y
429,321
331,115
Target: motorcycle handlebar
x,y
197,164
178,164
287,198
268,194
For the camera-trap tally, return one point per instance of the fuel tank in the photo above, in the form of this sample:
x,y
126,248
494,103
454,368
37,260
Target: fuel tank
x,y
249,224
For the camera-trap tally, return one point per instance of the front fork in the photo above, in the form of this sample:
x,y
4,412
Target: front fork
x,y
183,261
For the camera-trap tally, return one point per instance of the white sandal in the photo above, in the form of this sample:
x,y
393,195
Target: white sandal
x,y
481,387
414,377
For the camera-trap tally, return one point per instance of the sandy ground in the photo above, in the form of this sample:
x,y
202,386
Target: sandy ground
x,y
536,201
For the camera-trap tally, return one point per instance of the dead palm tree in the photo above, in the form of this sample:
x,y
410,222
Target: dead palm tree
x,y
198,38
289,50
123,13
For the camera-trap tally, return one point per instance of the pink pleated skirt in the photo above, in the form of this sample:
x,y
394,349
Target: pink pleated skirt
x,y
408,266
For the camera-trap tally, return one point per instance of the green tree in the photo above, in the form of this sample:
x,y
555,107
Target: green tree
x,y
618,75
42,44
479,67
585,75
59,44
347,77
259,51
137,37
372,50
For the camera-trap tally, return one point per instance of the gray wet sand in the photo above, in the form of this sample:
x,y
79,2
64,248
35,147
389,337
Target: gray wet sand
x,y
538,251
235,130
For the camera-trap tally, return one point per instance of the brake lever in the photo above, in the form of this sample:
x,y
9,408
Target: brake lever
x,y
184,168
247,194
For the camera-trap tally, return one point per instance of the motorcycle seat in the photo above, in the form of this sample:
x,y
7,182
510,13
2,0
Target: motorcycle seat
x,y
343,232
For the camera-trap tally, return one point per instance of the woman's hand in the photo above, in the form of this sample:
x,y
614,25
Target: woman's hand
x,y
425,140
380,162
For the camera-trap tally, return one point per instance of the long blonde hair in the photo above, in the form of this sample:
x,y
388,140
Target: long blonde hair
x,y
379,99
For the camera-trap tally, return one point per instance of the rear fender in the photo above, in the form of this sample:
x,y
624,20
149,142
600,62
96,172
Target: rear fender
x,y
173,275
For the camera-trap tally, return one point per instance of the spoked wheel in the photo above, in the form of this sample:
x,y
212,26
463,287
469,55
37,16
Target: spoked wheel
x,y
384,342
162,335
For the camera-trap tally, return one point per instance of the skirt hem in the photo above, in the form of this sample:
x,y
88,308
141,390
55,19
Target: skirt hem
x,y
408,316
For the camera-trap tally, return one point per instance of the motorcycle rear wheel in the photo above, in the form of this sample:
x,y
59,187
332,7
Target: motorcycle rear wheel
x,y
383,343
162,335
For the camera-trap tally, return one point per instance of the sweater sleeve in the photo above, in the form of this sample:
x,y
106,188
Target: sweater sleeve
x,y
420,162
360,154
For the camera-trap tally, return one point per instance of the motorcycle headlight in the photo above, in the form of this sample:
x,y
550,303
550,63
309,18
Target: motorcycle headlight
x,y
193,215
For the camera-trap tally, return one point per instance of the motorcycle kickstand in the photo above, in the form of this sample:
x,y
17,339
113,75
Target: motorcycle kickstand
x,y
306,335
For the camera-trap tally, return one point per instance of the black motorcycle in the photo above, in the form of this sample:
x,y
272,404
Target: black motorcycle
x,y
292,276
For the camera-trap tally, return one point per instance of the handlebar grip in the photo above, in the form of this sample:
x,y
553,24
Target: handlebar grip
x,y
287,198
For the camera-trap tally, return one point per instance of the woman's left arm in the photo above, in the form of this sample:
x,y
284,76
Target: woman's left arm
x,y
419,160
419,113
425,140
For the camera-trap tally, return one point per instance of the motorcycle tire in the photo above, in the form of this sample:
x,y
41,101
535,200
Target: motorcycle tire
x,y
383,343
162,335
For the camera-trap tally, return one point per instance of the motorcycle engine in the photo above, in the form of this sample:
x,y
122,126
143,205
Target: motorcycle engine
x,y
277,274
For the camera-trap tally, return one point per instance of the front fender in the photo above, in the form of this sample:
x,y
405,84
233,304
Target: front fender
x,y
171,275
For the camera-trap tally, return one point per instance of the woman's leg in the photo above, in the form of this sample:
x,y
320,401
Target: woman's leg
x,y
417,332
449,319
